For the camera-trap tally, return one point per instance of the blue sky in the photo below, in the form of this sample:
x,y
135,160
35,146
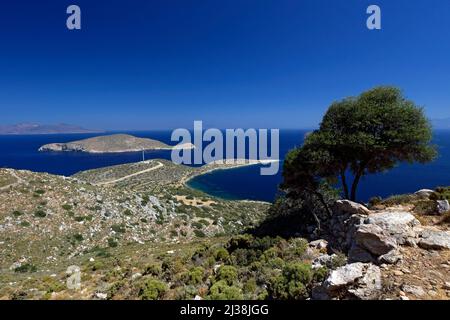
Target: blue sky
x,y
234,63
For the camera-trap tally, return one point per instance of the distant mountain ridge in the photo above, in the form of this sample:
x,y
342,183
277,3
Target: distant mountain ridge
x,y
36,128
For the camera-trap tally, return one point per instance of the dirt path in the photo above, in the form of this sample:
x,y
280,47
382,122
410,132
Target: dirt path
x,y
159,165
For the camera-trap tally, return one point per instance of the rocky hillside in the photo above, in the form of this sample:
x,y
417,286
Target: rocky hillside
x,y
115,143
400,249
47,221
137,232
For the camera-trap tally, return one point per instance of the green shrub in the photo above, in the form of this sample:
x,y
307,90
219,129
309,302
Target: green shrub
x,y
17,213
199,234
67,207
112,243
39,191
25,224
195,276
374,201
153,270
40,214
78,237
222,291
27,267
204,222
152,289
221,254
338,261
293,283
398,199
228,274
250,286
197,225
441,193
127,212
425,207
119,228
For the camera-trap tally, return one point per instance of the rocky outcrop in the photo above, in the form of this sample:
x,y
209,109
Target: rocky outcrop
x,y
374,239
349,207
442,206
356,280
398,224
434,239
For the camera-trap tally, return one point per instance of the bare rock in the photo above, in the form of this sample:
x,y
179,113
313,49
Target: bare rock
x,y
414,290
434,240
318,244
356,280
350,207
392,257
374,239
398,224
74,278
442,206
358,254
424,193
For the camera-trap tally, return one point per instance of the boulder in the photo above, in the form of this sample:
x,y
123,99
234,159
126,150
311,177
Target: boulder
x,y
318,244
358,254
391,257
442,206
398,224
350,207
414,290
434,240
355,280
344,276
369,285
424,193
74,278
374,239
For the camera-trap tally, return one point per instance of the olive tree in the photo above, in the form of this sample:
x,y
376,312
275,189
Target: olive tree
x,y
361,135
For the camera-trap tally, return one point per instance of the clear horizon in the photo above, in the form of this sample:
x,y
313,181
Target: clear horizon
x,y
157,65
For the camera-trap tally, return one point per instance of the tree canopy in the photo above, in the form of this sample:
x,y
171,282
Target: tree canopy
x,y
360,135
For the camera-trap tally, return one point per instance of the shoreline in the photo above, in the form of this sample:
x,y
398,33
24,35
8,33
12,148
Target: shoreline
x,y
233,164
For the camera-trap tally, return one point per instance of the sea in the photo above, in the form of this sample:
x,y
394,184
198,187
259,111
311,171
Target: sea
x,y
21,152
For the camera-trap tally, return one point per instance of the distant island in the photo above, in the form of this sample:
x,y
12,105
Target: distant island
x,y
116,143
35,128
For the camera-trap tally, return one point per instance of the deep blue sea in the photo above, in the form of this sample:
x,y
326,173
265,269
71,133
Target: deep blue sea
x,y
20,152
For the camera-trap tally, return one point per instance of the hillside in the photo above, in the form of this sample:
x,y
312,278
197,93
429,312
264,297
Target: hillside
x,y
136,231
115,143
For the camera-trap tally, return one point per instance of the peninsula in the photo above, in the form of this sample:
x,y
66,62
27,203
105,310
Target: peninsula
x,y
116,143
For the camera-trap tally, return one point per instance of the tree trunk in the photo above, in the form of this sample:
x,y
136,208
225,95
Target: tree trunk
x,y
344,184
355,183
322,200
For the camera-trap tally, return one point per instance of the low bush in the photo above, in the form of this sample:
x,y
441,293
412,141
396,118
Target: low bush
x,y
152,289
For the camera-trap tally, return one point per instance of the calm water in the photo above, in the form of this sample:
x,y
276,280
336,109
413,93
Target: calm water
x,y
20,152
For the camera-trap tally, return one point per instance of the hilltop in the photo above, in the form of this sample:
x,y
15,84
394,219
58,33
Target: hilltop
x,y
115,143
